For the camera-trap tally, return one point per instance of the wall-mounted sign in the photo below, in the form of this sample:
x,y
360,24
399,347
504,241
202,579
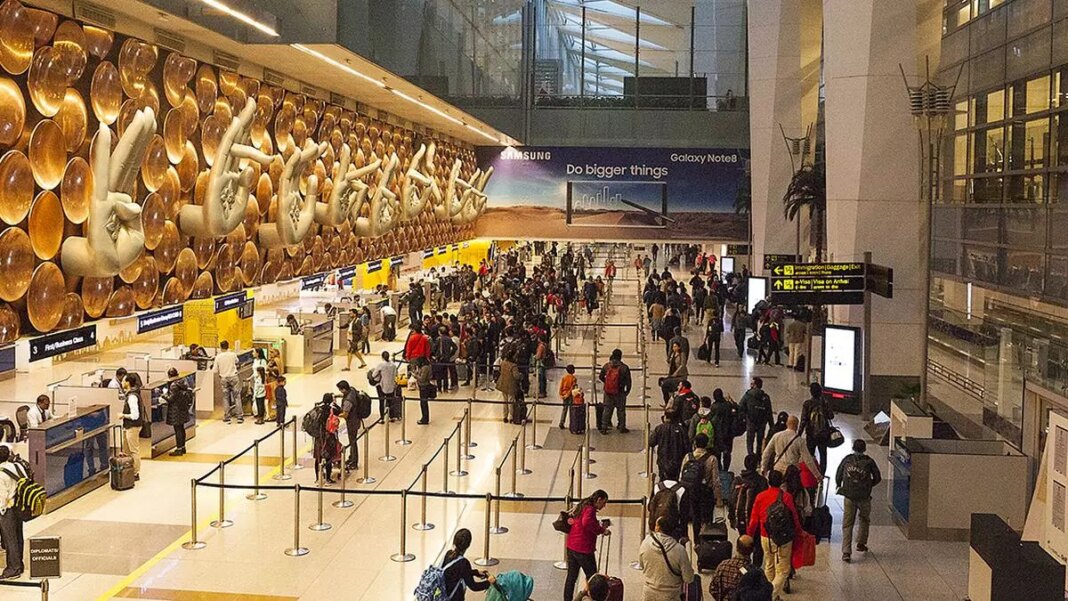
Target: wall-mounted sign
x,y
428,253
45,557
62,342
880,280
373,266
398,260
313,281
171,316
818,283
757,291
841,359
246,310
737,249
346,274
229,301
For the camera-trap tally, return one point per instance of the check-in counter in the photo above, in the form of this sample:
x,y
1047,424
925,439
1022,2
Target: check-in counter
x,y
1001,567
308,352
69,454
938,484
161,433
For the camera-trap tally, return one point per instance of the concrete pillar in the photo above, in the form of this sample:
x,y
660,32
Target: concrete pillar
x,y
873,196
782,34
719,45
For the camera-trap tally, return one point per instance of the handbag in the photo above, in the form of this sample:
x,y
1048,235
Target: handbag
x,y
562,524
835,438
803,553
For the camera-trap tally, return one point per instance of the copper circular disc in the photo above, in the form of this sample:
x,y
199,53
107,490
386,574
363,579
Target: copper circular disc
x,y
211,132
136,59
169,193
177,71
48,154
153,215
121,303
250,263
286,272
154,166
173,292
204,249
73,119
203,287
73,311
16,263
16,187
46,225
264,192
228,81
146,286
96,292
225,276
47,82
98,41
12,111
44,299
105,93
76,190
69,44
307,267
174,135
270,273
16,38
9,323
223,110
185,268
236,239
190,114
207,89
166,252
188,168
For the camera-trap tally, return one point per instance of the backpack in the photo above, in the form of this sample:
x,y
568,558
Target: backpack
x,y
743,494
549,360
737,421
665,502
675,447
29,498
779,522
363,405
761,408
373,378
511,586
612,376
431,585
310,422
818,426
693,473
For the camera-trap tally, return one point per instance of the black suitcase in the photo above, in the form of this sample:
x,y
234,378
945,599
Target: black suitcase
x,y
716,531
712,553
821,523
395,403
577,421
799,363
519,412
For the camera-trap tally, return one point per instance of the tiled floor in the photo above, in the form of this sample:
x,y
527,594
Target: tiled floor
x,y
126,545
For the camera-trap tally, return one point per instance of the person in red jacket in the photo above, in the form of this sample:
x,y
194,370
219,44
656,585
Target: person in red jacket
x,y
418,345
776,557
582,540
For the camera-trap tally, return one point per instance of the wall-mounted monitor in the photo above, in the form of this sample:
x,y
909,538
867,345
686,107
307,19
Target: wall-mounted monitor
x,y
726,265
757,291
841,359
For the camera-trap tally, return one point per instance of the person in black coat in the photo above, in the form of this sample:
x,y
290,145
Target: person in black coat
x,y
179,400
459,575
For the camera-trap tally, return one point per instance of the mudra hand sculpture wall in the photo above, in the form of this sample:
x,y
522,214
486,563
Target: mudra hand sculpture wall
x,y
295,211
114,235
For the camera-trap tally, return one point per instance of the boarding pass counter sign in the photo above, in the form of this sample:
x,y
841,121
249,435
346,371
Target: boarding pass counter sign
x,y
160,319
44,557
62,342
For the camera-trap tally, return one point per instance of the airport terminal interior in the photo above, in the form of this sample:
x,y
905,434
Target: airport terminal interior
x,y
583,300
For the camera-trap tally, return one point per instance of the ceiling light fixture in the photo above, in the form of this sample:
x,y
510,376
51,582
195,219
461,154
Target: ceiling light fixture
x,y
240,16
428,107
480,132
338,64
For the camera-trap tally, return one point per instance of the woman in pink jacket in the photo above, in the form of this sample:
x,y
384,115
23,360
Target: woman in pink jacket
x,y
582,540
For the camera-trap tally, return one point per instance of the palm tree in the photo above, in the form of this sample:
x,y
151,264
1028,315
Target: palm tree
x,y
743,205
808,189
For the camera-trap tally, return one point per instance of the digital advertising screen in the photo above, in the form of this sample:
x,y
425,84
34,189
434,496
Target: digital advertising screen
x,y
757,291
841,358
726,265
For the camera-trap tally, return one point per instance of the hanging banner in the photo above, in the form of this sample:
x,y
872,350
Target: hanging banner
x,y
592,192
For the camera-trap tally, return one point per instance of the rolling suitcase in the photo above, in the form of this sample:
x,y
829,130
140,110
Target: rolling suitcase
x,y
615,585
395,403
121,464
821,523
577,419
711,553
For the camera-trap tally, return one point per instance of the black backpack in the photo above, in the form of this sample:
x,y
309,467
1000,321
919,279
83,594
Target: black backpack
x,y
675,447
363,405
311,422
779,522
665,503
693,474
762,403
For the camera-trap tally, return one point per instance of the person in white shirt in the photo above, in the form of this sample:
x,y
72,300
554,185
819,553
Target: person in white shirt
x,y
389,323
116,382
10,523
132,419
788,448
384,378
226,367
39,412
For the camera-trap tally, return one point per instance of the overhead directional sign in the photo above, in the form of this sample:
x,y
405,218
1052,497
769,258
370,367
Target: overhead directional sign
x,y
818,283
770,261
880,280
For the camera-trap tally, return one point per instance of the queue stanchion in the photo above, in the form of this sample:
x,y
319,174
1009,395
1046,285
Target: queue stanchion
x,y
282,475
403,556
497,528
222,522
194,543
344,503
385,440
320,525
645,519
256,495
459,472
470,443
522,451
587,461
562,564
486,560
533,446
296,464
515,470
296,550
44,589
423,525
403,441
646,434
367,477
445,467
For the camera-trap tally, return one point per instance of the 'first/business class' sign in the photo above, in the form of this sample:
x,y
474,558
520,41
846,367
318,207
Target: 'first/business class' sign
x,y
62,342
